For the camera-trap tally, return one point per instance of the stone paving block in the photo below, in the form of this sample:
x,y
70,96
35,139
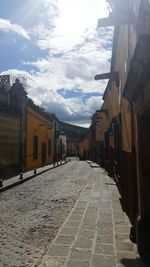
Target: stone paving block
x,y
87,190
88,226
120,216
80,254
121,237
122,229
78,208
78,264
94,204
87,233
103,210
83,243
68,231
104,225
65,239
105,207
117,208
125,246
58,250
81,203
105,230
105,217
52,262
85,193
121,223
75,218
105,239
91,215
89,209
77,213
103,261
95,195
106,249
89,220
72,223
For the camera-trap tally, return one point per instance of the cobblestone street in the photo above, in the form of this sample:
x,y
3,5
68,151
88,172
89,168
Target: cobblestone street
x,y
69,216
31,213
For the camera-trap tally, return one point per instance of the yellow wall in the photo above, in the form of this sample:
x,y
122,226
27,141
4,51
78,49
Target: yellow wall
x,y
123,53
40,126
103,125
111,104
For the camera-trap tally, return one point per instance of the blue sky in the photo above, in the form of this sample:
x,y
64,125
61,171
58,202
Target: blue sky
x,y
56,46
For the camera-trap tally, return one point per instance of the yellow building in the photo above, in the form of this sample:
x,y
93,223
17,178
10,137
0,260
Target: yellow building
x,y
117,137
126,100
40,140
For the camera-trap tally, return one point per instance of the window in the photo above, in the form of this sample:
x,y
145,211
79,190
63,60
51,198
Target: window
x,y
35,147
49,147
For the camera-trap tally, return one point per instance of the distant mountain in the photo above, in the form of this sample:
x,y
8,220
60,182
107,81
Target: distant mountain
x,y
73,131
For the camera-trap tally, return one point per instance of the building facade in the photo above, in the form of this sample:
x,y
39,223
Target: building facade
x,y
12,127
27,134
40,138
125,124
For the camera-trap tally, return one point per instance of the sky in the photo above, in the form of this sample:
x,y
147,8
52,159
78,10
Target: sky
x,y
56,49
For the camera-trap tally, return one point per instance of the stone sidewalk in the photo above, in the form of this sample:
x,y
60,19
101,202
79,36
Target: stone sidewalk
x,y
96,232
14,181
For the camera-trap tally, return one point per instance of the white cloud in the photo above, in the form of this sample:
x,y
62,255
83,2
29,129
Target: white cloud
x,y
94,103
76,68
73,109
7,26
68,22
76,52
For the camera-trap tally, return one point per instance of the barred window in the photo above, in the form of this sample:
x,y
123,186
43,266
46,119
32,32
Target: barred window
x,y
35,147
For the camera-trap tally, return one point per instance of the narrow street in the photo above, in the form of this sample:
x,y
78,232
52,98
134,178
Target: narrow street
x,y
35,229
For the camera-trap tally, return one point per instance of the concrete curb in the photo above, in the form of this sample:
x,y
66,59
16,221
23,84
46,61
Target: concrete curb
x,y
18,182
